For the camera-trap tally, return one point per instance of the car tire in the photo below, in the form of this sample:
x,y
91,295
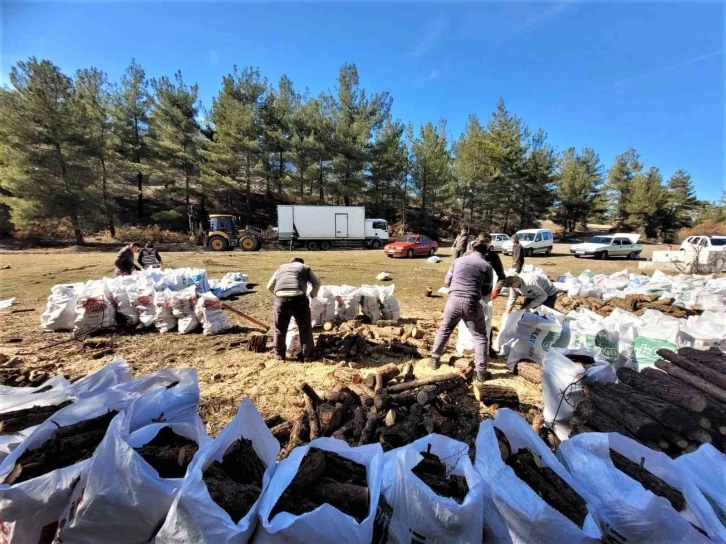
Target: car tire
x,y
390,256
409,254
432,252
217,243
528,252
312,245
604,256
634,255
324,245
549,251
375,244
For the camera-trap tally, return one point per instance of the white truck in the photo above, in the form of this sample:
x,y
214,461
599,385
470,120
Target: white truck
x,y
323,227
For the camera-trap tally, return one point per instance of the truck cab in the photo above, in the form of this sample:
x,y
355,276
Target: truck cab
x,y
376,233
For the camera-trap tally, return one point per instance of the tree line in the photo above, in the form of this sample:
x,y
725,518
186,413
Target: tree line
x,y
91,152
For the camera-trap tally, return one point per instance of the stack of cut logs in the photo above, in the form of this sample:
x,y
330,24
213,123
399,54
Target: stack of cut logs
x,y
12,375
636,304
674,407
384,339
391,407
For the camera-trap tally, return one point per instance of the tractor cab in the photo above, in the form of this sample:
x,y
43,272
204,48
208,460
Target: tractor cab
x,y
225,234
223,223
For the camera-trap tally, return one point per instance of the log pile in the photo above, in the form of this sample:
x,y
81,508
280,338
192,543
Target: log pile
x,y
235,483
434,473
65,447
547,484
648,480
636,304
13,376
19,420
169,453
673,408
326,477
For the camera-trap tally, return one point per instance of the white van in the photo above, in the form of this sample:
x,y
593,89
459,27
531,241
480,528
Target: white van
x,y
533,241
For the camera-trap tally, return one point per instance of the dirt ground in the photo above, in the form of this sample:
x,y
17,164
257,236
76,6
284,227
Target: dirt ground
x,y
228,372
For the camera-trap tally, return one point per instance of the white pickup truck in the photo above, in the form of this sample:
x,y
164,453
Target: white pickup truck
x,y
611,245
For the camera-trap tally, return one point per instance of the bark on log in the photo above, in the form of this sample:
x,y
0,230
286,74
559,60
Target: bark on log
x,y
330,418
464,364
169,462
312,401
363,394
344,470
415,384
707,373
380,381
257,342
369,431
405,432
345,497
95,423
242,462
548,485
635,421
666,413
274,421
712,358
648,480
587,414
344,431
505,448
388,371
234,498
659,384
282,431
383,401
495,394
430,392
359,422
531,372
310,471
346,376
692,379
442,424
300,433
18,420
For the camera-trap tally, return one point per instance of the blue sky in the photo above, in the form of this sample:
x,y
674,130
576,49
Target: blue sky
x,y
605,75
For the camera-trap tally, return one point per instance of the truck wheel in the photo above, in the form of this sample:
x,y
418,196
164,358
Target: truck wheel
x,y
324,245
409,254
528,252
312,245
217,243
375,244
248,243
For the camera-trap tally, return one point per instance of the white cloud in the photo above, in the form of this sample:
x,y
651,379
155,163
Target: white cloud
x,y
429,39
668,68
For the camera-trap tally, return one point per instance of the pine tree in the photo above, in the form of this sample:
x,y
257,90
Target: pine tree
x,y
44,167
681,201
387,165
174,134
432,166
536,184
276,115
93,102
473,170
579,177
130,124
620,178
647,202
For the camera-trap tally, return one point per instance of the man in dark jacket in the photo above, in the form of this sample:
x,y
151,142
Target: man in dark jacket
x,y
149,257
461,244
289,284
517,254
470,281
124,262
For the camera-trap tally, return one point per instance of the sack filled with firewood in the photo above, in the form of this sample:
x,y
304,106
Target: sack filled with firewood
x,y
128,486
21,413
707,468
534,336
434,492
219,498
562,381
659,332
325,492
642,495
532,491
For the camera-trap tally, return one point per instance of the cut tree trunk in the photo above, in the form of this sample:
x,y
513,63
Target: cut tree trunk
x,y
257,342
531,372
330,418
691,379
659,384
648,480
707,373
430,392
638,423
415,384
369,431
282,431
346,497
300,433
495,394
587,415
713,358
383,401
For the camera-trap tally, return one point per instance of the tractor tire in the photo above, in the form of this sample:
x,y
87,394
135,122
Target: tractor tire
x,y
217,243
312,245
325,245
376,244
249,243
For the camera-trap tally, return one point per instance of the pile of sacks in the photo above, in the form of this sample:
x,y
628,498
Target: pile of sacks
x,y
116,496
689,291
344,303
170,299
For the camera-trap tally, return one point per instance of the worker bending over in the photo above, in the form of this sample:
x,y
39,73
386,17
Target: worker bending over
x,y
470,280
289,284
124,261
537,289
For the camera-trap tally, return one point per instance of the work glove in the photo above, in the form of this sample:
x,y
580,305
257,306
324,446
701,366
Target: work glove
x,y
495,294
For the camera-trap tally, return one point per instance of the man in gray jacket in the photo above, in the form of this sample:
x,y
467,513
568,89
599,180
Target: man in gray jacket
x,y
517,254
537,289
461,244
289,284
470,281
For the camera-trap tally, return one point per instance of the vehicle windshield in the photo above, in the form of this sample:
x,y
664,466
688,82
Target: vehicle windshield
x,y
408,239
525,236
718,241
600,240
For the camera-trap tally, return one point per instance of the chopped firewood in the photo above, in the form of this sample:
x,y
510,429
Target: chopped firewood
x,y
257,342
328,326
505,449
666,388
620,409
692,379
530,371
649,481
495,394
416,333
330,418
433,472
707,373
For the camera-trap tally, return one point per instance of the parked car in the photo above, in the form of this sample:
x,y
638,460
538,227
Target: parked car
x,y
411,245
498,239
615,245
705,242
533,241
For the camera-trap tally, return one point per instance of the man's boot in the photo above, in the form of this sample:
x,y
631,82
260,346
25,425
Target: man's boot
x,y
483,375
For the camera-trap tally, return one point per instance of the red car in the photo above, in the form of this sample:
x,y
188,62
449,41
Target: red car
x,y
410,245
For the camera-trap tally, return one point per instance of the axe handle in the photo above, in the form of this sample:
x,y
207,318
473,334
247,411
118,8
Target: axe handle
x,y
245,316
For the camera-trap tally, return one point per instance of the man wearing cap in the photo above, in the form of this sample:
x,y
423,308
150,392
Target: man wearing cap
x,y
537,289
470,281
289,284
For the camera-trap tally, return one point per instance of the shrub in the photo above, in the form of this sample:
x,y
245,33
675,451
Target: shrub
x,y
46,230
706,227
130,233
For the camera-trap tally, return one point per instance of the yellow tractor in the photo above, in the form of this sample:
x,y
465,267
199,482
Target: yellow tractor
x,y
224,234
